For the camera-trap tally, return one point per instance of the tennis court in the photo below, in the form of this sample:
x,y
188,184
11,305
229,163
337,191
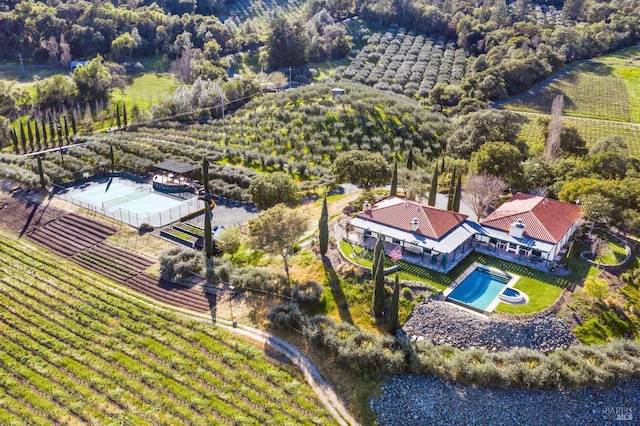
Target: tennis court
x,y
130,202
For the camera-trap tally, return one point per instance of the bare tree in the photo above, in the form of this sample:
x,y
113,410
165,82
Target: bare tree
x,y
278,79
54,49
552,148
482,191
65,51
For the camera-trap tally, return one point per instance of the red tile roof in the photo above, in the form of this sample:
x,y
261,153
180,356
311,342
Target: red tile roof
x,y
398,213
545,219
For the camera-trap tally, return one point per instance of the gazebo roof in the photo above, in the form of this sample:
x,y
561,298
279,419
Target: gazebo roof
x,y
176,167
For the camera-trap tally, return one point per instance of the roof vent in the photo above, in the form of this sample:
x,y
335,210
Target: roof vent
x,y
414,224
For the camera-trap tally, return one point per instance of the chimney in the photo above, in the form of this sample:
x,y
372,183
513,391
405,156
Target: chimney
x,y
366,206
516,230
414,224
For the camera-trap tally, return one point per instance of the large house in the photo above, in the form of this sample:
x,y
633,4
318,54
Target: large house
x,y
526,229
530,227
426,235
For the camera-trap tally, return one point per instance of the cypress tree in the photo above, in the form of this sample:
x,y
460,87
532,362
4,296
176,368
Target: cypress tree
x,y
14,138
66,128
41,172
124,114
394,321
378,289
457,195
410,159
394,179
38,137
23,137
118,115
379,247
208,241
112,157
73,123
433,191
323,228
30,134
442,167
59,131
45,138
52,134
452,185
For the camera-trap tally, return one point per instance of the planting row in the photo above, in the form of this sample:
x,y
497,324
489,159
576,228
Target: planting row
x,y
101,352
406,63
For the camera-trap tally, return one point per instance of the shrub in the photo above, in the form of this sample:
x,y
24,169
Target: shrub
x,y
407,294
308,294
179,262
144,228
286,315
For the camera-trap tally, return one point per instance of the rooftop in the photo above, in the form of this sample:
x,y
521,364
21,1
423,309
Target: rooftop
x,y
544,219
398,213
176,167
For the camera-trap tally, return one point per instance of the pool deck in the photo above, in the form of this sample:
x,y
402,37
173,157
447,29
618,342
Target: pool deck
x,y
512,281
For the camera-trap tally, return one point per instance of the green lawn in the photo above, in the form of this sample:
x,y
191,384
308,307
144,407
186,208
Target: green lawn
x,y
542,288
591,131
145,90
617,253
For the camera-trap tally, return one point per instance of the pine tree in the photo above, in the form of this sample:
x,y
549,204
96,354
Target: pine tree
x,y
323,228
394,179
118,115
410,159
394,321
41,172
433,191
378,289
457,195
124,114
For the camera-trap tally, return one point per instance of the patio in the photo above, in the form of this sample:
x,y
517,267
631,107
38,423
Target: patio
x,y
440,262
528,261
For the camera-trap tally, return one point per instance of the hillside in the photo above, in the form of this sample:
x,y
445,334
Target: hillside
x,y
76,350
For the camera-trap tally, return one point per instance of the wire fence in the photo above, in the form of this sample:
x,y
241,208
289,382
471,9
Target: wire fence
x,y
155,219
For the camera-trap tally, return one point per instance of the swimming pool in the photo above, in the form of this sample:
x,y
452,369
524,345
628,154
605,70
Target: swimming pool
x,y
479,289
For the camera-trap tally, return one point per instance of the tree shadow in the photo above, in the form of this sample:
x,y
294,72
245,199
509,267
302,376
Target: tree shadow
x,y
336,290
34,209
212,299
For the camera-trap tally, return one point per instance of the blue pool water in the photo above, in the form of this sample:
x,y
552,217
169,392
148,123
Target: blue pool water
x,y
511,292
479,289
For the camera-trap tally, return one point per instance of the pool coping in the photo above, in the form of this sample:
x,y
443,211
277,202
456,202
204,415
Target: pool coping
x,y
494,303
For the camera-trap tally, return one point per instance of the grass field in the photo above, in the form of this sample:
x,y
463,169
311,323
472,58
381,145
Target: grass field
x,y
591,130
72,350
145,90
602,98
12,75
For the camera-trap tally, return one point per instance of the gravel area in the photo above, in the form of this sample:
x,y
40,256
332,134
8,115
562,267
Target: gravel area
x,y
444,323
423,400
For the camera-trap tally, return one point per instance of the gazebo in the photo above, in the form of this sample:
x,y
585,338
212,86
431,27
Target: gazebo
x,y
171,179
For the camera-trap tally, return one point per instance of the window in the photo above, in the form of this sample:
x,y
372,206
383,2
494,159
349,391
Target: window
x,y
396,241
